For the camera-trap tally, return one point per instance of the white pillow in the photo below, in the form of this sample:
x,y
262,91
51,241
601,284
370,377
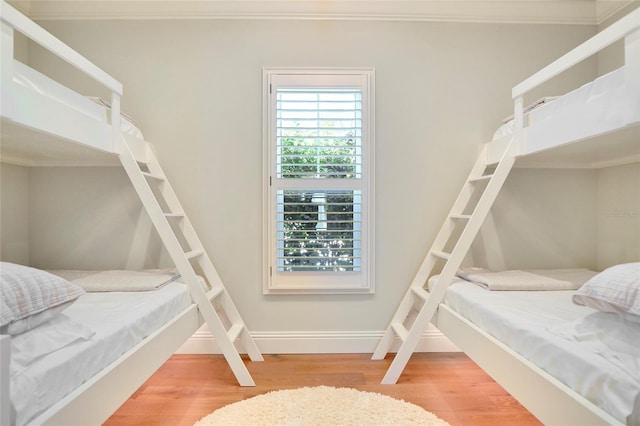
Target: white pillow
x,y
616,289
29,297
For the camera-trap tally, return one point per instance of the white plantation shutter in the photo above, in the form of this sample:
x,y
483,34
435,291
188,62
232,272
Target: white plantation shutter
x,y
319,230
318,174
319,133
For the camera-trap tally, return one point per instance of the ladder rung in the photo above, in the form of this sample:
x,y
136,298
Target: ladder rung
x,y
461,216
235,331
152,176
441,254
215,292
482,178
174,215
420,292
193,253
400,330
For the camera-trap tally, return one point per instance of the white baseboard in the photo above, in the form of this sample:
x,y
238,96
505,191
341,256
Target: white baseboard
x,y
291,342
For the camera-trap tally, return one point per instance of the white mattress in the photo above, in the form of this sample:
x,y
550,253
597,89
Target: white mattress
x,y
541,325
119,320
92,107
600,106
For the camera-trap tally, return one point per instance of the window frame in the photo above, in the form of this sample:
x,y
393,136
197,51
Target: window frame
x,y
318,282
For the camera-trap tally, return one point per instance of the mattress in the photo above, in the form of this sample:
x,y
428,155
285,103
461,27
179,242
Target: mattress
x,y
547,328
114,323
93,107
597,107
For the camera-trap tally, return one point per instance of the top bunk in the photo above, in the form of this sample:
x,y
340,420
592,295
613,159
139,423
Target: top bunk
x,y
47,123
594,126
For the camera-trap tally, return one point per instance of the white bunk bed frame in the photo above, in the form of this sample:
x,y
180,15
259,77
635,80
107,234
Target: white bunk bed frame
x,y
547,398
94,135
585,144
37,130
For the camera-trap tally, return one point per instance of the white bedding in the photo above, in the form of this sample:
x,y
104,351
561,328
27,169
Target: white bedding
x,y
118,320
561,338
598,106
119,280
551,279
93,107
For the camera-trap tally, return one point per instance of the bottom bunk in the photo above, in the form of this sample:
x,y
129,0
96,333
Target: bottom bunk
x,y
568,364
80,354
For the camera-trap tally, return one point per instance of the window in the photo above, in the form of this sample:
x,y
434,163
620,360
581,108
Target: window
x,y
318,127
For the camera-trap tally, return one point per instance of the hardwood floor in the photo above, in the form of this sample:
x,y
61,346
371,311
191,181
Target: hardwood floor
x,y
450,385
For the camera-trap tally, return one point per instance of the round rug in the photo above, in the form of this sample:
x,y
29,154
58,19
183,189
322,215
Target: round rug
x,y
322,405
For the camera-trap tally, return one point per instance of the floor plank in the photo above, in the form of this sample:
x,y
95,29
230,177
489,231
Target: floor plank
x,y
450,385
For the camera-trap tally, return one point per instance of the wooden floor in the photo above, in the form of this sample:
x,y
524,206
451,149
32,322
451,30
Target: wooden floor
x,y
450,385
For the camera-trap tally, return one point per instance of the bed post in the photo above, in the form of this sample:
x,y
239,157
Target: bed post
x,y
632,60
5,401
518,123
115,121
6,64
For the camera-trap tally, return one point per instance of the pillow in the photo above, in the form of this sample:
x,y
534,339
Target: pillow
x,y
29,297
616,289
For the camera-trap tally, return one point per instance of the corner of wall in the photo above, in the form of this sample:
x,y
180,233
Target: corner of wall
x,y
618,215
14,213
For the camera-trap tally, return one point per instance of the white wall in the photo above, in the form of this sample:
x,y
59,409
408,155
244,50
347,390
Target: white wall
x,y
618,215
14,214
612,57
89,218
194,88
542,218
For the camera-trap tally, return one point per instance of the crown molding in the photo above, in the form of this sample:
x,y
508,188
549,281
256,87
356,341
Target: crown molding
x,y
574,12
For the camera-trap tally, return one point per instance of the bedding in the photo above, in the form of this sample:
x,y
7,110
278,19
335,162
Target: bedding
x,y
117,320
506,129
119,280
552,279
548,329
30,297
616,290
600,105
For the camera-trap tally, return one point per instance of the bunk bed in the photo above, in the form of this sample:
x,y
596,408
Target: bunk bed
x,y
527,339
568,363
593,126
36,116
533,342
46,123
70,348
31,133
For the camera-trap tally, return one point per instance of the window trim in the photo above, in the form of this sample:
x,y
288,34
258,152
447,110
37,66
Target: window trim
x,y
340,282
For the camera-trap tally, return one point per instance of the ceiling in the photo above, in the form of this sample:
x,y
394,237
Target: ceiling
x,y
578,12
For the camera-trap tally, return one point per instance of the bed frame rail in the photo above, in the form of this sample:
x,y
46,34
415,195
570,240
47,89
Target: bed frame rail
x,y
5,404
551,401
627,28
12,20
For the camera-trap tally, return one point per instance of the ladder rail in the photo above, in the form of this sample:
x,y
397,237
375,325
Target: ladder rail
x,y
169,195
445,232
237,329
152,207
452,264
429,262
213,278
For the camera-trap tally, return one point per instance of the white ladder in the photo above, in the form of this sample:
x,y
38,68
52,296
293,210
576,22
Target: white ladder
x,y
186,250
448,250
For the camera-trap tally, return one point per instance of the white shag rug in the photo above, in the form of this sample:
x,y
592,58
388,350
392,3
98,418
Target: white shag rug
x,y
322,405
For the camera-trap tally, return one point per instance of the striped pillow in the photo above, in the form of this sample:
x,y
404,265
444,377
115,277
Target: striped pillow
x,y
29,297
616,289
